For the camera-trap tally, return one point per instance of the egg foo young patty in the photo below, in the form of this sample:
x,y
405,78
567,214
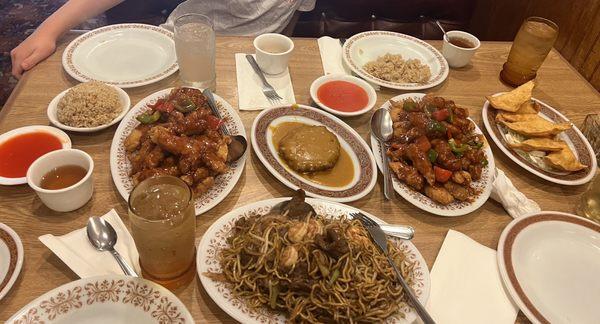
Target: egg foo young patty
x,y
310,148
89,104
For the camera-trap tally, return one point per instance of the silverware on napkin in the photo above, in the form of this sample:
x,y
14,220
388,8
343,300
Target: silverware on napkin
x,y
380,240
103,237
267,89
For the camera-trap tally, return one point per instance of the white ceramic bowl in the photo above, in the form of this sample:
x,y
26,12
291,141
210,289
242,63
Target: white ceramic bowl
x,y
459,56
62,136
69,198
53,115
342,77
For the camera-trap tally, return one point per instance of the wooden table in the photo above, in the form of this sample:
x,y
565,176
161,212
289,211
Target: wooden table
x,y
558,85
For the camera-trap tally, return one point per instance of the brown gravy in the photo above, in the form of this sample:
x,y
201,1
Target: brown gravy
x,y
461,42
62,177
340,175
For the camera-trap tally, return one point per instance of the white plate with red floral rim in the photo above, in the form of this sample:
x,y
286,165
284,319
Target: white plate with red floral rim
x,y
368,46
120,167
364,169
573,137
124,55
483,186
105,299
11,258
215,239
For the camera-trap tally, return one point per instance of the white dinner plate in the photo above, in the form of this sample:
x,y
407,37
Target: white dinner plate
x,y
457,208
120,167
214,239
125,55
11,258
52,112
549,262
368,46
62,136
573,137
106,299
365,172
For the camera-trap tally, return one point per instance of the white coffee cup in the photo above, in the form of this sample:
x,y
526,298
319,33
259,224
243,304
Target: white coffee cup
x,y
273,52
69,198
459,56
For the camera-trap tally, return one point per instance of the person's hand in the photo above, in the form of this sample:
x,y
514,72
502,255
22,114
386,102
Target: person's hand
x,y
30,52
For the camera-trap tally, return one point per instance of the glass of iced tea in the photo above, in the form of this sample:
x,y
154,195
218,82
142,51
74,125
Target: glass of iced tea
x,y
589,206
163,226
195,49
529,50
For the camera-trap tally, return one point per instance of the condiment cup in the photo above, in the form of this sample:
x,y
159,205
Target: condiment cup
x,y
66,199
459,56
314,87
52,112
269,61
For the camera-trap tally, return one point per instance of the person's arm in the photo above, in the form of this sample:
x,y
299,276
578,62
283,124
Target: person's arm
x,y
42,42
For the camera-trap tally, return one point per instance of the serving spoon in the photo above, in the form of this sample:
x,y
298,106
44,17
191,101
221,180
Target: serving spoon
x,y
239,144
103,237
382,128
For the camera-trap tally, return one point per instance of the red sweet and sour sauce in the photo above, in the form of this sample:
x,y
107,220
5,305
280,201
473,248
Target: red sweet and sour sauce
x,y
343,96
19,152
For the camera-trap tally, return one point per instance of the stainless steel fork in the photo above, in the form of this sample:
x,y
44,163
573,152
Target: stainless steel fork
x,y
267,89
380,240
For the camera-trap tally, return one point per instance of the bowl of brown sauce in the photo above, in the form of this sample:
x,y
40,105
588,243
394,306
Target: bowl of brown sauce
x,y
62,179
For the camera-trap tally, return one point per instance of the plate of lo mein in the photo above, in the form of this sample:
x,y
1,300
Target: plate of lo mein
x,y
261,265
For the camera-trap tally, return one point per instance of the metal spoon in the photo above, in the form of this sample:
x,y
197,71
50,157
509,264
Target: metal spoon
x,y
103,237
400,231
238,144
382,129
437,22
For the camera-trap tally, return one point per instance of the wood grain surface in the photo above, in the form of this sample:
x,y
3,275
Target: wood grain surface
x,y
558,85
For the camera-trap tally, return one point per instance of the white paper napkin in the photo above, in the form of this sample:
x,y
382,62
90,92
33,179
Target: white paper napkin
x,y
250,95
466,286
331,56
514,202
77,252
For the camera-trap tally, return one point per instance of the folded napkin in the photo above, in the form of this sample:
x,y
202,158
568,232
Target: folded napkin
x,y
513,201
77,252
250,95
466,286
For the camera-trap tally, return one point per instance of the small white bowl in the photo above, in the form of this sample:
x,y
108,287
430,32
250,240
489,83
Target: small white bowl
x,y
69,198
457,56
53,114
62,136
343,77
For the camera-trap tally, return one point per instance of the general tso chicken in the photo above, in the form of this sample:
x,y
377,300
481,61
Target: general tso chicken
x,y
179,136
434,149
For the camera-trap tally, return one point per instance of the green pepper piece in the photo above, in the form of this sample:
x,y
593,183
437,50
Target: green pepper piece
x,y
450,118
485,163
432,155
409,105
435,126
458,149
185,105
148,118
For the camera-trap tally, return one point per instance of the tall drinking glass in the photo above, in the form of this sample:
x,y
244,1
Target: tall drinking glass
x,y
163,226
195,48
529,50
589,206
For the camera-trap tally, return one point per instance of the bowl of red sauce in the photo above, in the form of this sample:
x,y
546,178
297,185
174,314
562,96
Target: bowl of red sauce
x,y
20,147
343,95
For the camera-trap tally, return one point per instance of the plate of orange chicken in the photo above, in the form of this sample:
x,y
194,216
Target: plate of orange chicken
x,y
438,157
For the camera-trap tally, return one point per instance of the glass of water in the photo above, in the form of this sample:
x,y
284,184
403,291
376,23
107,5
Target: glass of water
x,y
195,48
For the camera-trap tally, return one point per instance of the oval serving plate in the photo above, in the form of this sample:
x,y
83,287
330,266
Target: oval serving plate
x,y
368,46
215,238
105,299
365,174
120,166
484,185
11,258
549,262
573,137
64,138
99,55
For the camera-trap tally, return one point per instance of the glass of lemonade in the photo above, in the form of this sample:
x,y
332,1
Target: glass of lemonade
x,y
163,226
529,50
195,48
589,206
